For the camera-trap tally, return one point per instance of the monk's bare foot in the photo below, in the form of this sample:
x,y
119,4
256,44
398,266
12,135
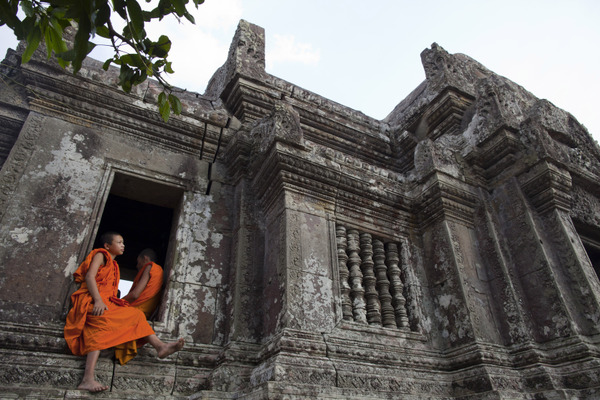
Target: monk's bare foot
x,y
92,386
169,348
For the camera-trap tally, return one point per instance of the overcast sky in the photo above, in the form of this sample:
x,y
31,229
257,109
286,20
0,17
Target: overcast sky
x,y
366,55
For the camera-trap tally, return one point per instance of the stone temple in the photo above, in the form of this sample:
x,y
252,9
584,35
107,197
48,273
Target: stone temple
x,y
449,251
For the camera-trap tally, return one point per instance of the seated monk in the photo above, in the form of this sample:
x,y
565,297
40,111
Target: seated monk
x,y
144,295
98,319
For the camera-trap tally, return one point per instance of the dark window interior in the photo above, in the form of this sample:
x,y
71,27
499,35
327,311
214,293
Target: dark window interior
x,y
593,252
142,211
590,237
142,225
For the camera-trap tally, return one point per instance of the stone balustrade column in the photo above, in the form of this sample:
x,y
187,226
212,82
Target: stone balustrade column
x,y
371,295
342,244
383,285
397,287
357,292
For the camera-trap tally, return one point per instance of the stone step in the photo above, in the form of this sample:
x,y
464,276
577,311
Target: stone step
x,y
36,393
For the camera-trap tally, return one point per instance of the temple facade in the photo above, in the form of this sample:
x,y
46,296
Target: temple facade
x,y
449,251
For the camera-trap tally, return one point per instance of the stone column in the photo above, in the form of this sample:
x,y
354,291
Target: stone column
x,y
457,284
566,264
298,268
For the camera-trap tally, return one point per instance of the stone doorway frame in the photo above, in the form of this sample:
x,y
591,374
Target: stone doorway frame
x,y
114,168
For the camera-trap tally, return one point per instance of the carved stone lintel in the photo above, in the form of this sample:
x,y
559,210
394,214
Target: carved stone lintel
x,y
282,124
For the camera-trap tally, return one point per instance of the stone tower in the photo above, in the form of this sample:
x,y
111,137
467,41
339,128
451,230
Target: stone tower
x,y
449,251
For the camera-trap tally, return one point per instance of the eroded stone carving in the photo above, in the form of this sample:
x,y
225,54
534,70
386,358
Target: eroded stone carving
x,y
449,251
372,267
282,124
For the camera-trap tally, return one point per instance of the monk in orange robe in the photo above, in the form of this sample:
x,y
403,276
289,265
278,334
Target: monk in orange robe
x,y
144,295
98,319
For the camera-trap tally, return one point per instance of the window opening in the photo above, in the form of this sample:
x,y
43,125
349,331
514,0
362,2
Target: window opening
x,y
593,251
590,237
143,212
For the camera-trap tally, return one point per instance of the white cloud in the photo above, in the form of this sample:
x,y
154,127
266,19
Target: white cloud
x,y
218,14
287,50
194,66
199,49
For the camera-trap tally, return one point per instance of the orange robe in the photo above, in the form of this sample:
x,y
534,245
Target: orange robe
x,y
146,302
85,332
150,296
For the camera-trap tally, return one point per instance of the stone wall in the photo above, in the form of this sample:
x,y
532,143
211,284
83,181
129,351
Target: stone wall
x,y
450,250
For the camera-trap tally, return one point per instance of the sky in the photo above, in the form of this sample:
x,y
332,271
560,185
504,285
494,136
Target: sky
x,y
366,55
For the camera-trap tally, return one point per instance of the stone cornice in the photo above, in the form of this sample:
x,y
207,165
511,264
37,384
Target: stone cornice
x,y
88,103
370,197
443,197
445,113
323,122
548,187
26,337
495,156
237,156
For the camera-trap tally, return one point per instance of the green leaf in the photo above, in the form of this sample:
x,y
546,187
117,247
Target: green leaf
x,y
139,76
107,64
163,106
175,104
8,16
155,13
62,62
135,60
103,31
33,41
68,55
103,15
55,43
24,28
165,7
57,24
27,8
179,6
81,44
155,49
125,77
162,47
62,21
148,15
119,7
168,68
76,9
162,98
189,17
136,17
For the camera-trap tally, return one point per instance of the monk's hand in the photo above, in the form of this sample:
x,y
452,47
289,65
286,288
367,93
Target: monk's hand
x,y
99,307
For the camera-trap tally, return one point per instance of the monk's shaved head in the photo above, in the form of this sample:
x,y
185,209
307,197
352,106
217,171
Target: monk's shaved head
x,y
108,237
151,254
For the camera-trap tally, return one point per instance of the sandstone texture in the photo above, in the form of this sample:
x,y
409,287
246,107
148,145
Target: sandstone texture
x,y
449,251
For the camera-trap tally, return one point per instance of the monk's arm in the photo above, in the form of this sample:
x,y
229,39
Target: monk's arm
x,y
141,285
90,279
